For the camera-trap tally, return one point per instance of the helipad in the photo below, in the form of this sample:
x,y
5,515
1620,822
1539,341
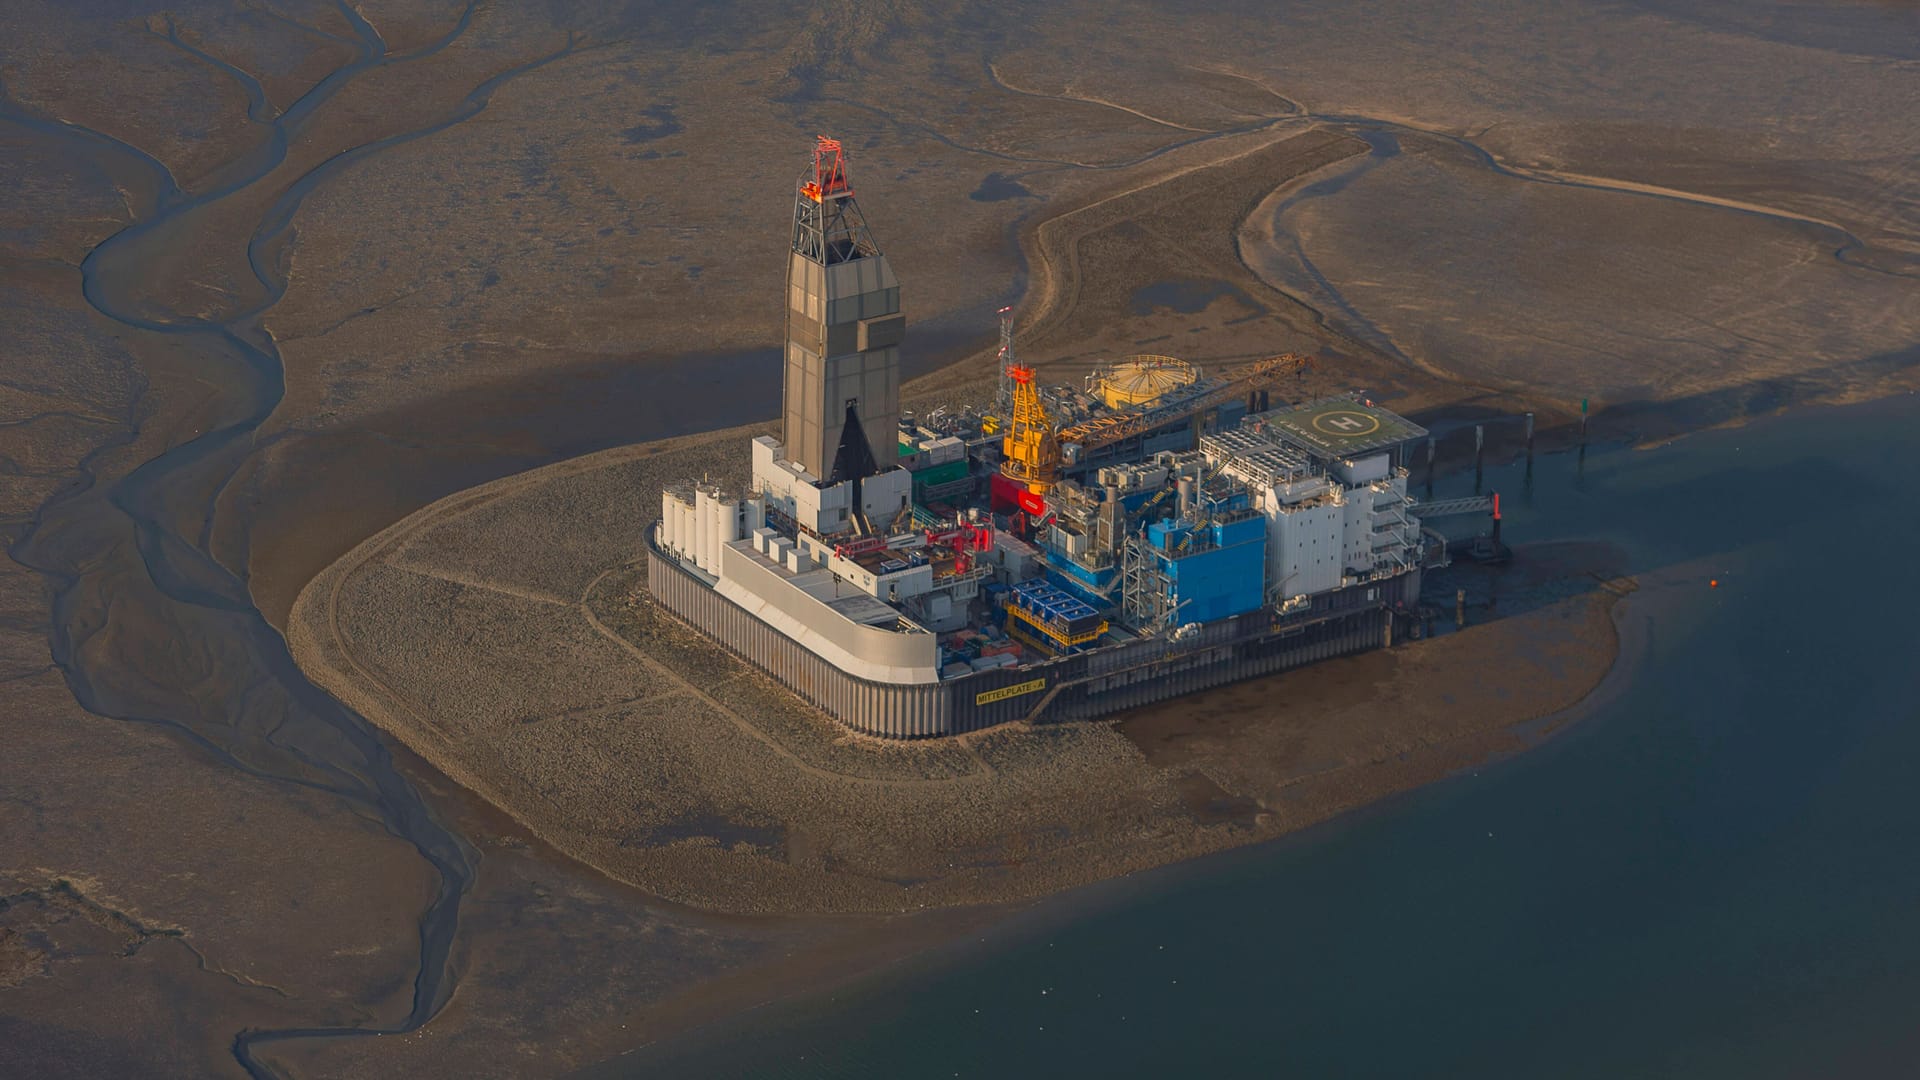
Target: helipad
x,y
1341,427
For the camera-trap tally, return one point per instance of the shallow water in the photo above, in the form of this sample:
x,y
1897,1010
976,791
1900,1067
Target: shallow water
x,y
141,547
1708,876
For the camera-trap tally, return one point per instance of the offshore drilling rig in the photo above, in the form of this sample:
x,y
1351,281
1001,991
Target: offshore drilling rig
x,y
1067,553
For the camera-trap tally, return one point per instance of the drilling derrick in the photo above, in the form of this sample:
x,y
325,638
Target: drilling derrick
x,y
841,388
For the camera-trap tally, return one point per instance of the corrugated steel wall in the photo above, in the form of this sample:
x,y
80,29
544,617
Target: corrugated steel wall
x,y
901,712
1203,667
1095,684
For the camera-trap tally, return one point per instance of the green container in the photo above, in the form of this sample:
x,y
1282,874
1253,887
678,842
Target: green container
x,y
940,474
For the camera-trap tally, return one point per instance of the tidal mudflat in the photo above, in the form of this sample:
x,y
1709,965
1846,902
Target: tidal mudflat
x,y
277,277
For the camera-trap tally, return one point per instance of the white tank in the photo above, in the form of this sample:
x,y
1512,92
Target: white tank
x,y
729,512
712,549
702,524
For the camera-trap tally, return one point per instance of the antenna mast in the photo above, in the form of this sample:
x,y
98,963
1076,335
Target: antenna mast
x,y
1003,399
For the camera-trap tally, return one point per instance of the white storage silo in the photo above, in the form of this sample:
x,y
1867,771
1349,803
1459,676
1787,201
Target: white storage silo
x,y
702,525
728,523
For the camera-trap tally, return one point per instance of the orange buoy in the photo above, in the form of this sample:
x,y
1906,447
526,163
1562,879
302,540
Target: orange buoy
x,y
1713,583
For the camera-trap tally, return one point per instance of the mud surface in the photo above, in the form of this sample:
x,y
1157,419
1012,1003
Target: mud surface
x,y
275,276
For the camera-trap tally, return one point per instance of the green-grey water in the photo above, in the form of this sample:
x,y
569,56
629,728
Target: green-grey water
x,y
1711,874
1708,876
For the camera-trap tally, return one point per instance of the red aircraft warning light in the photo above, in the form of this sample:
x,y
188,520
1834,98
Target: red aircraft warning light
x,y
829,171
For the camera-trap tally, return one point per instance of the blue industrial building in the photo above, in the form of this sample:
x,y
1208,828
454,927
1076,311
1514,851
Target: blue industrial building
x,y
1093,586
1213,569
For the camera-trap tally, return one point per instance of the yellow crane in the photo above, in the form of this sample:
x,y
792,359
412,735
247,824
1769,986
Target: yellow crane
x,y
1030,453
1032,450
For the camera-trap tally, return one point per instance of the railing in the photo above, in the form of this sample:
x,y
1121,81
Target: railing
x,y
1105,430
1054,629
972,573
1475,504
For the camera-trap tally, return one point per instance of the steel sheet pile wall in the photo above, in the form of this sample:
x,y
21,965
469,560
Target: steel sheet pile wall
x,y
1121,677
1075,687
1200,666
900,712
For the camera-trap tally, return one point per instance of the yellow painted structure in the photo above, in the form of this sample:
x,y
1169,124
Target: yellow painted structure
x,y
1030,453
1139,381
1031,450
1054,637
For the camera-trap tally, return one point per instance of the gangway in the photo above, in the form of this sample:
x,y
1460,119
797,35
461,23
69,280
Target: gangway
x,y
1475,504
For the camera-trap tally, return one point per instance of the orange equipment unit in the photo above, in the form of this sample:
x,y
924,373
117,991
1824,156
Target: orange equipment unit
x,y
1030,452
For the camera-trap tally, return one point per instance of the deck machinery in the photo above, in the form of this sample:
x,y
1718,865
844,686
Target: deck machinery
x,y
1067,553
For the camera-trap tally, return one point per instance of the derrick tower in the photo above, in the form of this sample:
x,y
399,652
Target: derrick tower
x,y
841,384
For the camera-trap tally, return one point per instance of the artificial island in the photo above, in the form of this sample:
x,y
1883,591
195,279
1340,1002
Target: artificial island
x,y
1067,553
905,650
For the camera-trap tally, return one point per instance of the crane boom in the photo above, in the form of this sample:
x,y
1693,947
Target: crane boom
x,y
1106,430
1034,450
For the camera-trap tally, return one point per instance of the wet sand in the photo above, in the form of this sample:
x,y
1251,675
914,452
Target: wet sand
x,y
589,243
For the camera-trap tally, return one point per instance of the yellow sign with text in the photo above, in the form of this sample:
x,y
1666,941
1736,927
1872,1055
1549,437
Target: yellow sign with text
x,y
1005,692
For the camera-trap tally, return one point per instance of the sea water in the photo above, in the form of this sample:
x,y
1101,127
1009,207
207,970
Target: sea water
x,y
1713,872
